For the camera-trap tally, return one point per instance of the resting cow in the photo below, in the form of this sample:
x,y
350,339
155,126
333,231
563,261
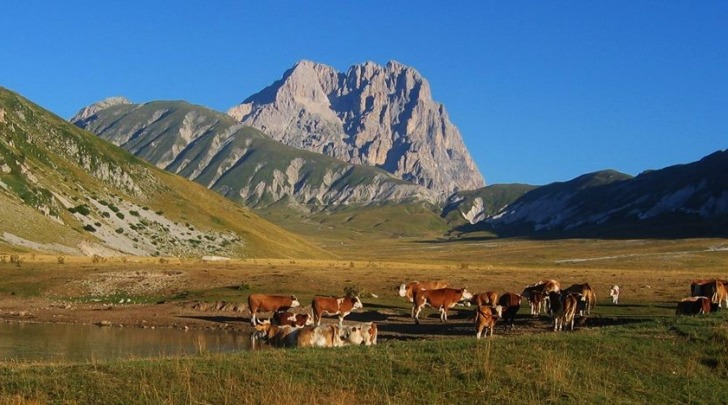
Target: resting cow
x,y
511,303
484,319
341,306
275,335
587,295
319,336
407,290
441,299
267,303
563,308
693,306
363,333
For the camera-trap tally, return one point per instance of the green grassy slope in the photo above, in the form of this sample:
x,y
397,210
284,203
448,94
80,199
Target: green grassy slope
x,y
62,185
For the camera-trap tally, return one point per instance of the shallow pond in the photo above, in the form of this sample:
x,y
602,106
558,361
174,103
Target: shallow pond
x,y
57,342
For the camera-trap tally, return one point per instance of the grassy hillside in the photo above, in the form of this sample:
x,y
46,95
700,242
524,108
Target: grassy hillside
x,y
72,191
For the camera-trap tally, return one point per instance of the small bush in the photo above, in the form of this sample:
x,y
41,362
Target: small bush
x,y
353,290
61,260
134,213
119,230
105,214
120,215
14,259
82,209
89,228
244,286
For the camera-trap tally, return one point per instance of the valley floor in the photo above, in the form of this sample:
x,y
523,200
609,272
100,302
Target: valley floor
x,y
196,294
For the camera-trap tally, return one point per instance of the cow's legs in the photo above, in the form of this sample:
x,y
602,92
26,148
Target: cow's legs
x,y
443,314
416,312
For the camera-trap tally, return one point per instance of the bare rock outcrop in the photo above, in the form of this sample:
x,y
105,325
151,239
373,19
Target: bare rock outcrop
x,y
381,116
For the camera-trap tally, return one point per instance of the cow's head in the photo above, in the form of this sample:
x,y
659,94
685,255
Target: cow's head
x,y
294,302
352,335
403,290
357,303
467,295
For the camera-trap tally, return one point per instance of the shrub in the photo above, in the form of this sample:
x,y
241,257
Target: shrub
x,y
89,228
82,209
120,215
61,260
353,290
134,213
120,230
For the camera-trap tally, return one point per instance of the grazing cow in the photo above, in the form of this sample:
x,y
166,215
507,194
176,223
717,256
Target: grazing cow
x,y
291,319
441,299
341,306
489,298
547,286
484,319
267,303
614,293
363,333
563,308
713,289
587,296
693,306
407,290
511,303
319,336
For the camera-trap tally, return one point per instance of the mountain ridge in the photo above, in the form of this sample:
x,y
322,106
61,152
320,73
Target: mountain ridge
x,y
65,190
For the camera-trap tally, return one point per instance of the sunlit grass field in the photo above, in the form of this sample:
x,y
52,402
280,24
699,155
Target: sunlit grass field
x,y
644,354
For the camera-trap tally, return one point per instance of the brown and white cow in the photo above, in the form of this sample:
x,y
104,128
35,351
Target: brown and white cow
x,y
537,298
563,308
693,306
341,306
713,289
328,335
268,303
511,303
484,319
275,335
588,296
441,299
363,333
488,298
407,290
291,319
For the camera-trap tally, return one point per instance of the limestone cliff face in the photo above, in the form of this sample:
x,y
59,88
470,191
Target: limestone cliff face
x,y
381,116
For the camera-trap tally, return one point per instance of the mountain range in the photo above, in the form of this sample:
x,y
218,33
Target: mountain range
x,y
69,191
64,190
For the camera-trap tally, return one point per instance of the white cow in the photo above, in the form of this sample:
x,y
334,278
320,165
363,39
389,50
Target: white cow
x,y
614,293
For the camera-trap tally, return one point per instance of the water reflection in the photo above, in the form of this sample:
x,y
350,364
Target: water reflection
x,y
51,342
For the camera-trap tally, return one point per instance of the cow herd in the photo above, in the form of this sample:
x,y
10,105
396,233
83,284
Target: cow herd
x,y
705,296
288,329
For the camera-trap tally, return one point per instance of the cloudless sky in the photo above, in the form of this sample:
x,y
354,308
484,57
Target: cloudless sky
x,y
541,91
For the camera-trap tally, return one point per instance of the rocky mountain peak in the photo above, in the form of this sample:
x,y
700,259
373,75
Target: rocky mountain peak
x,y
92,109
382,116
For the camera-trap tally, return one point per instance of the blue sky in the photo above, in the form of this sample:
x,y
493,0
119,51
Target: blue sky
x,y
541,91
